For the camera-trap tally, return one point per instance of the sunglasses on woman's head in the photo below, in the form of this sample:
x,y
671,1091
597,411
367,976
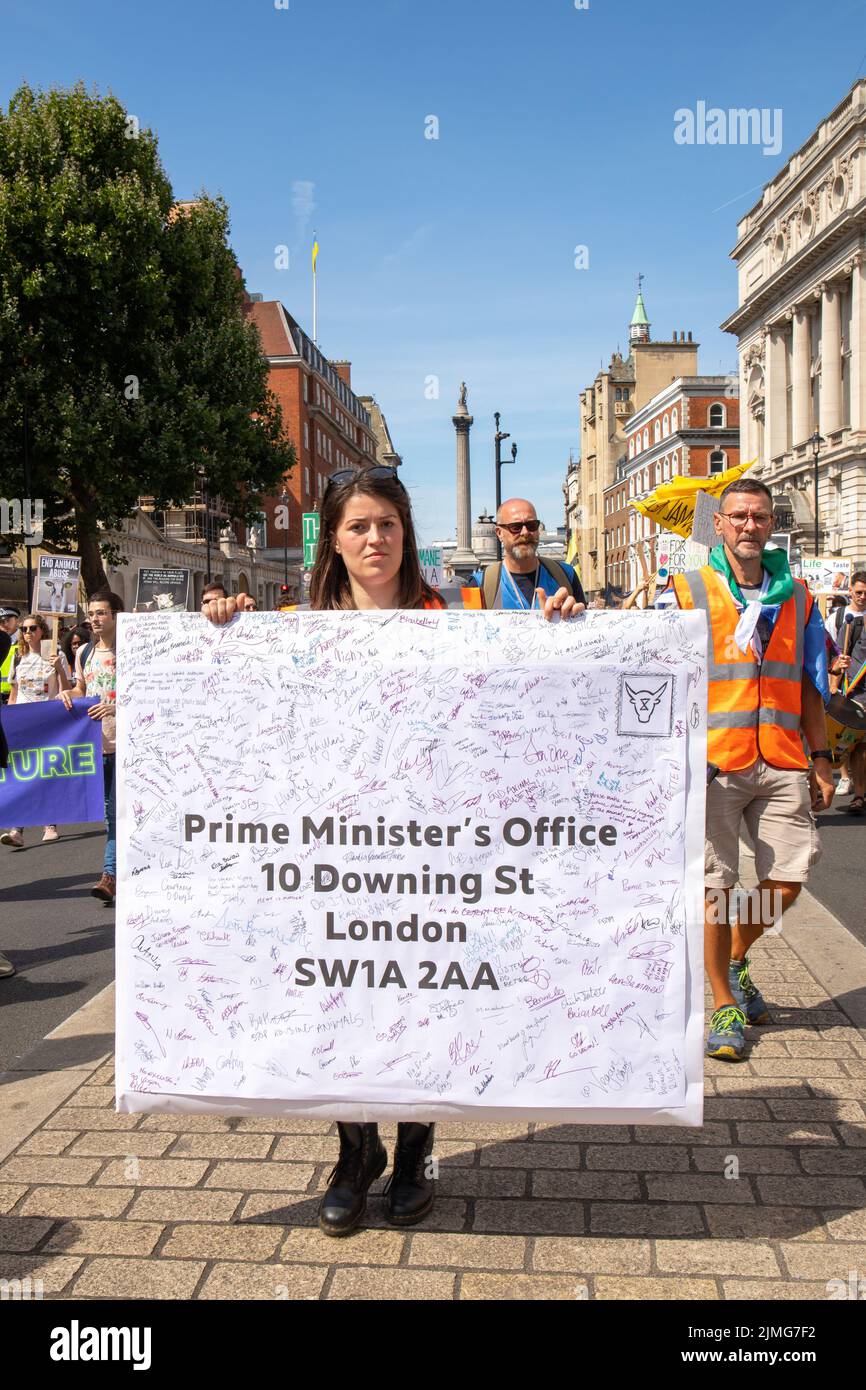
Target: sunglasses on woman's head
x,y
378,473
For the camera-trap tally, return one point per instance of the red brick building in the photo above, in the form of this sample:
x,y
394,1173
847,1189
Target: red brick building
x,y
322,416
692,429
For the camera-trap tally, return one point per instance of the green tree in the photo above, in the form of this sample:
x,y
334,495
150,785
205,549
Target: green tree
x,y
124,354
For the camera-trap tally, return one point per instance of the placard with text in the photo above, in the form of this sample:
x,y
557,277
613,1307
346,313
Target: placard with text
x,y
412,864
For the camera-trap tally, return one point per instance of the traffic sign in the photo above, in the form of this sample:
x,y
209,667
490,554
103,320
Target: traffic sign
x,y
311,538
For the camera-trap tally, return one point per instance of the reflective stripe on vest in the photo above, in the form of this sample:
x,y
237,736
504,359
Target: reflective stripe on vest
x,y
6,669
754,708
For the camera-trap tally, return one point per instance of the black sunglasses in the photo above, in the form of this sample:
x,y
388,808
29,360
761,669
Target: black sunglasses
x,y
515,527
378,473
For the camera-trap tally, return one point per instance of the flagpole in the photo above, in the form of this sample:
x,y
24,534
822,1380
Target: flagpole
x,y
315,296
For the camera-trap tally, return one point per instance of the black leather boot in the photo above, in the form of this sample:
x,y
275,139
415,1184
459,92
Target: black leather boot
x,y
362,1160
409,1191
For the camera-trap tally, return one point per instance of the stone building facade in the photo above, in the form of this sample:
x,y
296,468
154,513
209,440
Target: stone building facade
x,y
689,429
326,421
606,407
801,330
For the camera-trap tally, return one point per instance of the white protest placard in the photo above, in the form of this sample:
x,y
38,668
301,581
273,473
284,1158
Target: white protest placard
x,y
430,558
679,554
826,574
412,864
703,526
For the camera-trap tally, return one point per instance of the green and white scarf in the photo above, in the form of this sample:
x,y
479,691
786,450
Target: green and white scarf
x,y
777,587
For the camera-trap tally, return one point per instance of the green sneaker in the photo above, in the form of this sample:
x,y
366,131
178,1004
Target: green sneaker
x,y
727,1036
749,998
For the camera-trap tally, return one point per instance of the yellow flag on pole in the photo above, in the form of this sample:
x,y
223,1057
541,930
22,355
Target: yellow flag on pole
x,y
315,253
672,505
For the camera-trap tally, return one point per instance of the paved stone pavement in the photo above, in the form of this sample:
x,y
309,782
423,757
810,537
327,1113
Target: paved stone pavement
x,y
766,1201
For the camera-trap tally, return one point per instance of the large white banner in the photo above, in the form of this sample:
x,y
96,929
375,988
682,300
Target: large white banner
x,y
414,864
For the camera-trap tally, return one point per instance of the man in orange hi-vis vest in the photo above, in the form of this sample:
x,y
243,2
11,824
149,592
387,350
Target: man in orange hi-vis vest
x,y
767,670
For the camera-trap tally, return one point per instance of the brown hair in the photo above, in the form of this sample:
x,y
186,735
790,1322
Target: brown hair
x,y
23,644
329,585
106,595
748,485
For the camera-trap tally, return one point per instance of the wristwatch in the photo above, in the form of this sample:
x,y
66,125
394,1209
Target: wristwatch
x,y
822,753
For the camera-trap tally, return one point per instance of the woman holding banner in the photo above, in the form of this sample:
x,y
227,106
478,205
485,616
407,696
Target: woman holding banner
x,y
35,678
367,558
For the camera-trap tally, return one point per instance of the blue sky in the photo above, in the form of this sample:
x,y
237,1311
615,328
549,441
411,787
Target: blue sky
x,y
454,257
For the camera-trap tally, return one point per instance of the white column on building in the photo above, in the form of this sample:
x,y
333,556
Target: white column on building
x,y
775,403
747,426
801,378
831,361
858,344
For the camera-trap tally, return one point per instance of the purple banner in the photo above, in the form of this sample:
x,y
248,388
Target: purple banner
x,y
54,775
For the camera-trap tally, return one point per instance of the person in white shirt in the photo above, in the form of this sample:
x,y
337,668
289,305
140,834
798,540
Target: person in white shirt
x,y
35,678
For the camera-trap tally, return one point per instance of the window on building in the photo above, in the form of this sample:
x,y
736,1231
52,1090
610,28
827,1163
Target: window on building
x,y
306,482
305,386
666,426
631,448
717,416
306,436
318,394
657,432
675,421
717,461
625,394
646,438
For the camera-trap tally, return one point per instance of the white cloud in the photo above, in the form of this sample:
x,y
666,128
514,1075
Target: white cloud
x,y
303,202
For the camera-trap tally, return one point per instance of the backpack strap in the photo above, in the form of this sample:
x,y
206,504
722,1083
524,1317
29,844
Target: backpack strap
x,y
84,653
490,584
555,569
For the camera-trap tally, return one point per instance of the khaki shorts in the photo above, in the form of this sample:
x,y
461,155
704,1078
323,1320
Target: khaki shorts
x,y
774,803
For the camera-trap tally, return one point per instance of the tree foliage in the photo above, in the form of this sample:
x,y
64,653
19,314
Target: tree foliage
x,y
123,349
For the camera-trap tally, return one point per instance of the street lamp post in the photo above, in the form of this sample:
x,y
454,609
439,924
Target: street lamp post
x,y
206,503
500,464
284,499
28,549
816,441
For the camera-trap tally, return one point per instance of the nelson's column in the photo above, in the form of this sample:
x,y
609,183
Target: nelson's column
x,y
463,560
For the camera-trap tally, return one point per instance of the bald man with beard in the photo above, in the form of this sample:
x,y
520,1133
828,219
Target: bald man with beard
x,y
522,580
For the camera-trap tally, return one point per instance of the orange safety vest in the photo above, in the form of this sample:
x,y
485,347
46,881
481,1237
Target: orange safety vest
x,y
754,708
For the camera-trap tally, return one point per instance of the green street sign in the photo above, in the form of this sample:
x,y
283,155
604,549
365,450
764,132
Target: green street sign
x,y
311,538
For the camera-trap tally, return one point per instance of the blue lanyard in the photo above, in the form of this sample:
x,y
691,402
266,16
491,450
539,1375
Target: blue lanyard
x,y
521,602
